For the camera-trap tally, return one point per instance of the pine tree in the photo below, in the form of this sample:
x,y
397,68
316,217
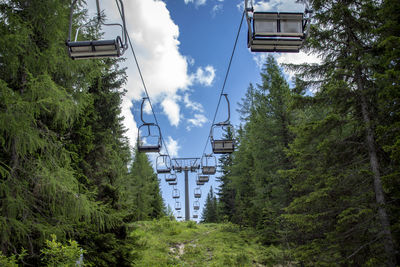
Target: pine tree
x,y
142,194
210,211
337,138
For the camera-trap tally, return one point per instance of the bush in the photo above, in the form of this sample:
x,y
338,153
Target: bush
x,y
57,254
11,261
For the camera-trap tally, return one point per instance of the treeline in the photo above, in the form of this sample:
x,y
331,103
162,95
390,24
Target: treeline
x,y
317,166
66,168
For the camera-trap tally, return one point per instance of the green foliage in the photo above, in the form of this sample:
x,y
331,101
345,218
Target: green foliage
x,y
63,153
210,211
57,254
309,160
203,245
13,260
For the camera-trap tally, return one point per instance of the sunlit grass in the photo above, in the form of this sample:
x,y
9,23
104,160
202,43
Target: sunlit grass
x,y
170,243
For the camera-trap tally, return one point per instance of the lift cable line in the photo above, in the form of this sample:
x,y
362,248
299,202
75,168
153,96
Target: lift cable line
x,y
143,82
226,78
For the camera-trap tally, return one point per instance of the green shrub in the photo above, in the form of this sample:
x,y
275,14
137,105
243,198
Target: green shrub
x,y
11,261
57,254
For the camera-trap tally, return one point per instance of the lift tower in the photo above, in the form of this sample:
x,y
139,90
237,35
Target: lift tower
x,y
186,165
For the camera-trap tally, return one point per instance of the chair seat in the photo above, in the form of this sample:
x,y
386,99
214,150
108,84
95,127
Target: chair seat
x,y
149,148
209,170
163,170
274,48
94,49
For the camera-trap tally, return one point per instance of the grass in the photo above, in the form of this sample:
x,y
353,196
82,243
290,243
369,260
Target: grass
x,y
170,243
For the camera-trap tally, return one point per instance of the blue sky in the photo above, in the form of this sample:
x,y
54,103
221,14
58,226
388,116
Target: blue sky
x,y
183,48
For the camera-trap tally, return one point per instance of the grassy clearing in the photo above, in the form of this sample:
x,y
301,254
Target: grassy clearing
x,y
170,243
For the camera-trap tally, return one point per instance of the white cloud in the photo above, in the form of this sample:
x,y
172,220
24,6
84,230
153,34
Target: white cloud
x,y
191,104
297,58
286,58
196,2
216,8
129,121
279,6
204,76
172,110
172,146
154,37
197,121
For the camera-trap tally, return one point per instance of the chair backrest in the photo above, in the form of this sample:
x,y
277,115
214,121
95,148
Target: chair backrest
x,y
97,48
274,24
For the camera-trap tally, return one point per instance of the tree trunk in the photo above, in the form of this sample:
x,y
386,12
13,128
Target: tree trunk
x,y
379,194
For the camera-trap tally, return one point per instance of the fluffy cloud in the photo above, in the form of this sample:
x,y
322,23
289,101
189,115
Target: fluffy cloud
x,y
196,2
172,110
278,5
216,8
204,76
154,37
197,121
192,105
129,121
275,5
172,146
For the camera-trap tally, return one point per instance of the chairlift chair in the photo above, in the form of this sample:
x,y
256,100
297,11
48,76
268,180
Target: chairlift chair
x,y
196,205
203,178
175,194
179,215
197,192
170,178
173,183
220,145
149,135
194,168
178,205
163,164
208,164
199,183
276,32
97,48
195,216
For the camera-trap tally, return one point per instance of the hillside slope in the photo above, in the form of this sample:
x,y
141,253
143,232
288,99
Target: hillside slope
x,y
170,243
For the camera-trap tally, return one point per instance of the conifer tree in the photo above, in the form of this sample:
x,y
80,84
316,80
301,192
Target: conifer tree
x,y
210,211
341,127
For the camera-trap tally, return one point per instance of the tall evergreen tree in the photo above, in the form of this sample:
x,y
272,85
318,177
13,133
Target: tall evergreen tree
x,y
210,211
42,94
142,193
344,117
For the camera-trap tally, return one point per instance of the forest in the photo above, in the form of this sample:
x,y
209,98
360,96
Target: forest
x,y
315,174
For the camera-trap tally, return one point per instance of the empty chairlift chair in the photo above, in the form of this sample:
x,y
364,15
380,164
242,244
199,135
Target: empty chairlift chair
x,y
203,178
208,164
276,32
178,206
97,48
195,216
173,183
196,205
197,192
149,135
163,164
175,194
179,215
223,145
170,178
198,182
